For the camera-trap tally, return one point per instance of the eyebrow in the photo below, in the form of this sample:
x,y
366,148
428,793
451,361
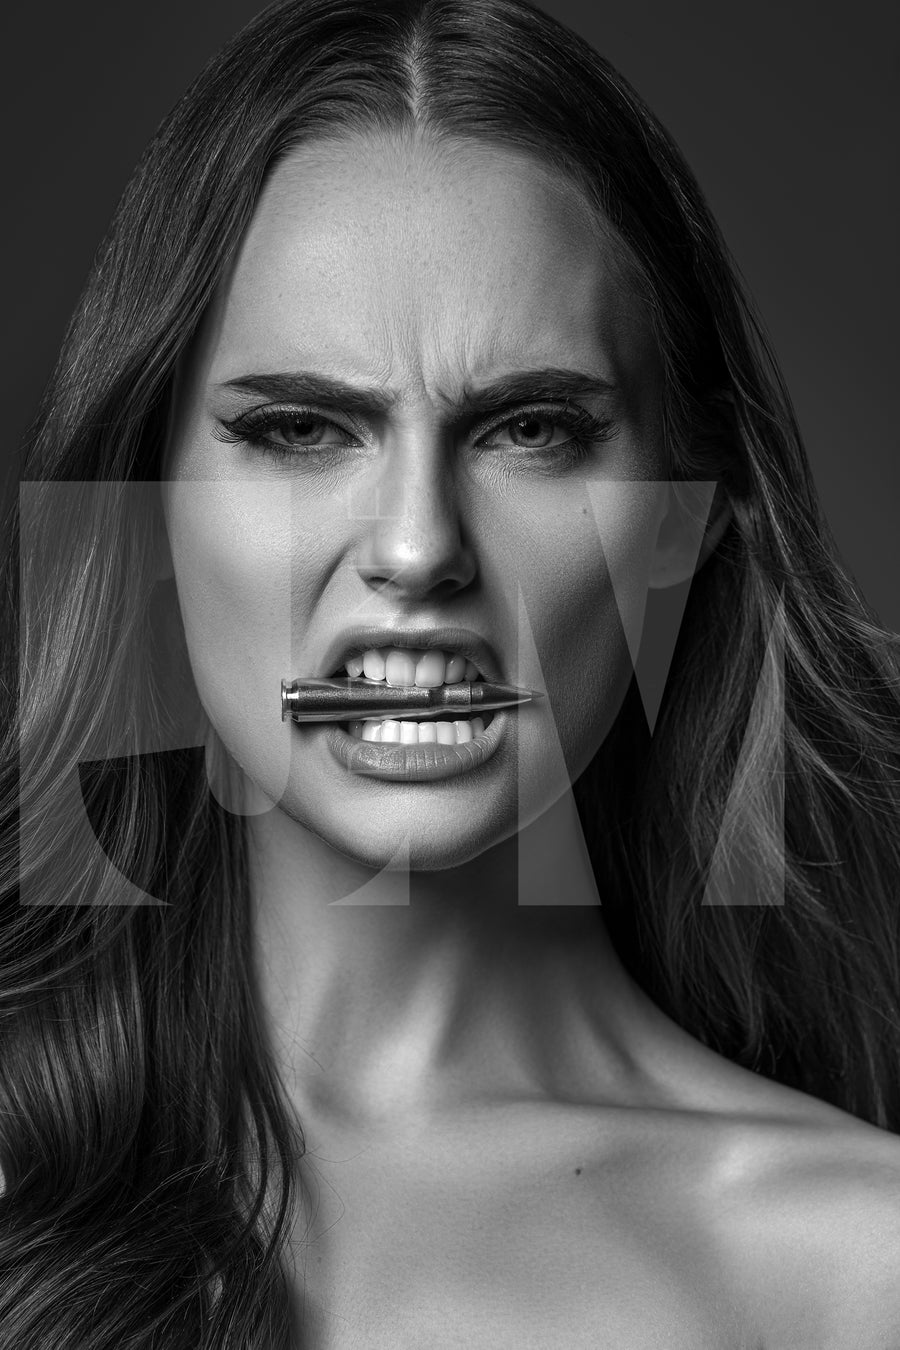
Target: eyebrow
x,y
551,384
306,387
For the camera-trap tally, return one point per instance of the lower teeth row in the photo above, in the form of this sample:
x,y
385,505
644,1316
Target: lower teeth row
x,y
410,732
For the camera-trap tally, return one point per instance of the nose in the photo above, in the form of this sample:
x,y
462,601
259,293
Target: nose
x,y
414,544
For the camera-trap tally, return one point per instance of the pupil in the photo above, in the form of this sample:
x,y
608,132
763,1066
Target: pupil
x,y
303,428
532,429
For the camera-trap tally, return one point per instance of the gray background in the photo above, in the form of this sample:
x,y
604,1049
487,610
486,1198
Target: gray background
x,y
786,111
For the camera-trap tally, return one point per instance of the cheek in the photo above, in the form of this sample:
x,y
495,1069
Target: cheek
x,y
584,591
626,518
232,552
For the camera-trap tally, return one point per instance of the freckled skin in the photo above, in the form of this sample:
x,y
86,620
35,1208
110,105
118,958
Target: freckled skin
x,y
423,269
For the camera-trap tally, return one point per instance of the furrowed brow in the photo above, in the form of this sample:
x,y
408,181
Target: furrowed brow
x,y
549,385
308,387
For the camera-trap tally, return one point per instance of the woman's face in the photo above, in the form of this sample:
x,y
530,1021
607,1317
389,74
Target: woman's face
x,y
425,396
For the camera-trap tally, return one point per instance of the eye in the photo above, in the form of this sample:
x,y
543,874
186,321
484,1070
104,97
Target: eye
x,y
286,431
569,429
300,429
532,431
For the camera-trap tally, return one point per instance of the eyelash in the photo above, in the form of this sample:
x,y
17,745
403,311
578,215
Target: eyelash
x,y
586,429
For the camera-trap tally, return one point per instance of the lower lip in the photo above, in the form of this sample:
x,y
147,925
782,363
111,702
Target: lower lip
x,y
424,763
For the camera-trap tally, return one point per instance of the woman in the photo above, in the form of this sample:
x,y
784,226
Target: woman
x,y
413,353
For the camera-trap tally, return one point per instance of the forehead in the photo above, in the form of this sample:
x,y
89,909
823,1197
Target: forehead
x,y
409,261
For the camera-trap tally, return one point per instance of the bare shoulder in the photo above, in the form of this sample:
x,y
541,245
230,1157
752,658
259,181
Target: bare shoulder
x,y
759,1218
816,1198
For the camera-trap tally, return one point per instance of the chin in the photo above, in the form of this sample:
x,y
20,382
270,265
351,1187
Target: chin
x,y
411,846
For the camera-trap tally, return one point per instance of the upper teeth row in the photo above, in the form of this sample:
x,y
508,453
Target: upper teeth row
x,y
406,666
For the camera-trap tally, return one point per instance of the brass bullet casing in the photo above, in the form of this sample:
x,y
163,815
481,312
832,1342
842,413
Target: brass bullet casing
x,y
345,699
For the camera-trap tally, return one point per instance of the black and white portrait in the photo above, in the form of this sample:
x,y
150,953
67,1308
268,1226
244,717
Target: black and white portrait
x,y
450,855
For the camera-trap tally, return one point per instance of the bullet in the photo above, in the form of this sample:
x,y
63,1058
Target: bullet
x,y
346,699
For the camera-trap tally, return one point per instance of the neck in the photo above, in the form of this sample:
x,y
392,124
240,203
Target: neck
x,y
394,994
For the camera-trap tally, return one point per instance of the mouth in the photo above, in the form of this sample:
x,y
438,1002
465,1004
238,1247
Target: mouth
x,y
453,654
421,669
406,749
420,760
427,660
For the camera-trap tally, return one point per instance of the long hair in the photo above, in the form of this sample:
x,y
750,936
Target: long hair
x,y
147,1149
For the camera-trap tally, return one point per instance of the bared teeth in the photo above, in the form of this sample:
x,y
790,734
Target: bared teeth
x,y
431,670
456,669
403,666
409,732
400,668
373,664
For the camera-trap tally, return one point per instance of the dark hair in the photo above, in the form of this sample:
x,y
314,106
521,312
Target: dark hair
x,y
147,1148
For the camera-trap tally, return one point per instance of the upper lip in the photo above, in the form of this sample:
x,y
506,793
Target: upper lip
x,y
457,641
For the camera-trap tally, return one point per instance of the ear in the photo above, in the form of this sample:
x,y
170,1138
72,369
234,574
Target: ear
x,y
677,557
